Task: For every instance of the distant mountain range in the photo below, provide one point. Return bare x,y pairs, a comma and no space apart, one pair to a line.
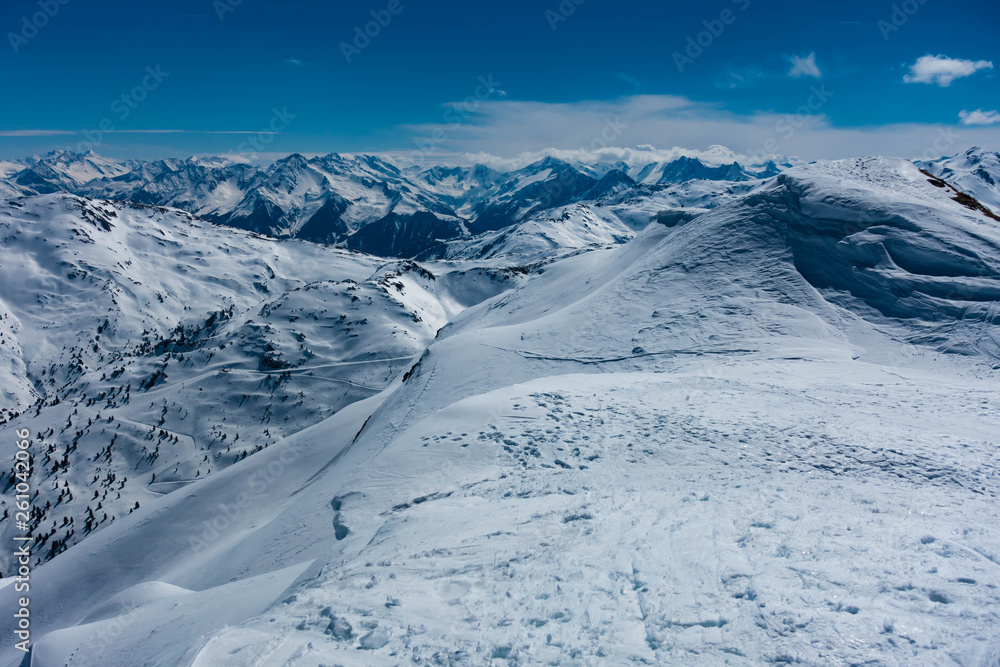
361,202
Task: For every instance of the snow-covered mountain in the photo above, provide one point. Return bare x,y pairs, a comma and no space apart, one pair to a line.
761,431
543,237
64,171
686,169
975,172
361,202
149,349
540,186
325,200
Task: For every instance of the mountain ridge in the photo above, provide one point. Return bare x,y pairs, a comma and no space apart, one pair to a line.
332,199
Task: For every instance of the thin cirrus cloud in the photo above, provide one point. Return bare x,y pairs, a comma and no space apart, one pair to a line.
744,76
804,66
979,117
35,133
942,70
55,133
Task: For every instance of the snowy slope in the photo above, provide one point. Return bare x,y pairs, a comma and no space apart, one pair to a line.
147,349
543,237
975,172
745,439
899,248
638,206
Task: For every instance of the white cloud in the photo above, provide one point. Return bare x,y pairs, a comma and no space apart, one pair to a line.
637,156
979,117
294,62
630,80
513,132
805,66
942,70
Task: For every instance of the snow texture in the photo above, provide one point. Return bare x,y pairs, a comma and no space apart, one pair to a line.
760,432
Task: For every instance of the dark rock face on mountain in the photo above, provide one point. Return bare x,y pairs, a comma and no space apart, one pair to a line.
327,224
398,235
542,185
975,172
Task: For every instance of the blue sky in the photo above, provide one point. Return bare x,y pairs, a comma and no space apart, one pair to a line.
443,79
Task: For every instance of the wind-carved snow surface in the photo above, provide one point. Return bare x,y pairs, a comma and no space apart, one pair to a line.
765,433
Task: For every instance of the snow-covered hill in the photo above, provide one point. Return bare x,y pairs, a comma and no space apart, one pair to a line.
543,237
975,172
759,433
147,349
